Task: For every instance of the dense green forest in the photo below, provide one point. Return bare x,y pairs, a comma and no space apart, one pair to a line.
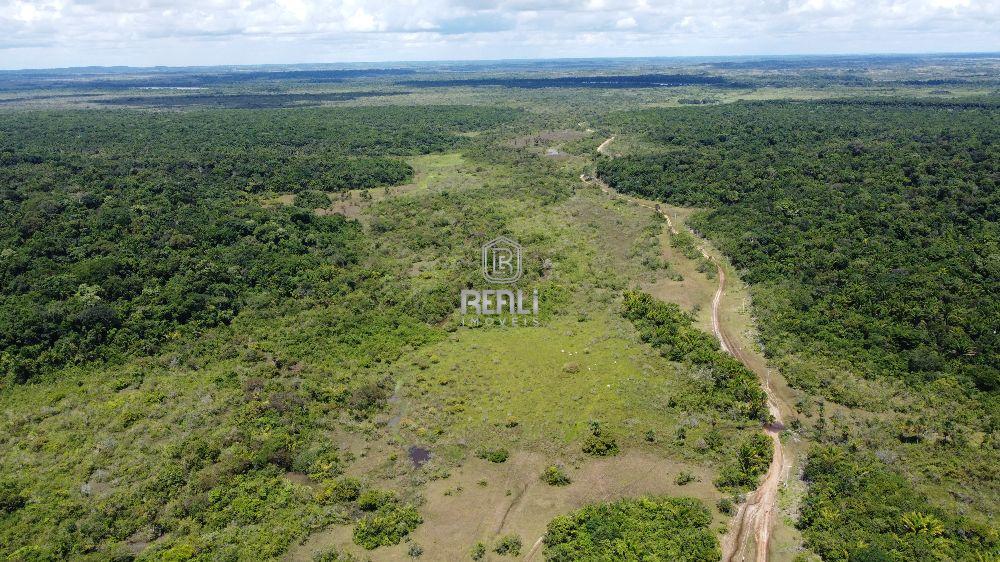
119,228
870,232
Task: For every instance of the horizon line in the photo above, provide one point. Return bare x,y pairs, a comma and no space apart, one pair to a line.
868,54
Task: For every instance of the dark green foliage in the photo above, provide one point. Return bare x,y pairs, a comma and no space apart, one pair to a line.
342,490
122,230
725,505
235,101
478,551
612,82
664,326
337,173
11,498
857,509
494,455
753,457
554,475
600,446
634,529
372,499
311,199
509,545
387,525
869,230
600,443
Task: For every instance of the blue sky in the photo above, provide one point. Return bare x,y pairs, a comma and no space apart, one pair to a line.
52,33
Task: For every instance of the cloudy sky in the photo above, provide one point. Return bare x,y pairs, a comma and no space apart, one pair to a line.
51,33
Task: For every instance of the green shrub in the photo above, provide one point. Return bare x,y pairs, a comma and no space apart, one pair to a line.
333,555
372,499
634,529
555,476
599,443
368,398
11,498
386,526
509,545
684,478
321,462
494,455
342,490
725,505
311,199
752,460
178,553
478,551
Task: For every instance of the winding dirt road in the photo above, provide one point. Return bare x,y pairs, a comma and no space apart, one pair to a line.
604,145
754,517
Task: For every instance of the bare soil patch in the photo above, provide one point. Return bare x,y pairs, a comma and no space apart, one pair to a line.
461,510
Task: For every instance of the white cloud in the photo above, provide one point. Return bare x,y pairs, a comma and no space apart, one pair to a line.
37,33
625,23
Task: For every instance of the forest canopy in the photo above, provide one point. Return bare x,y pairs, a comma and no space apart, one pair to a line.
119,227
870,231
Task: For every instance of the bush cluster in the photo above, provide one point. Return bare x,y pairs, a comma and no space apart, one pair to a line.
634,529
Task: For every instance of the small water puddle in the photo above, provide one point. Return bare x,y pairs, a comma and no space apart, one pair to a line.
418,455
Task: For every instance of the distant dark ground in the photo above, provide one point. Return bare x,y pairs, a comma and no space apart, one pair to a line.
610,82
238,101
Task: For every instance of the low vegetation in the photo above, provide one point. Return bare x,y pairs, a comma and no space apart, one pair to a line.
494,455
858,510
555,475
634,529
386,525
508,545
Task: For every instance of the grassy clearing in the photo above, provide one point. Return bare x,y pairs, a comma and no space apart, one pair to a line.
535,391
485,380
432,172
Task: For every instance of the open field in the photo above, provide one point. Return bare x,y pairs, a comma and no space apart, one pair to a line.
490,388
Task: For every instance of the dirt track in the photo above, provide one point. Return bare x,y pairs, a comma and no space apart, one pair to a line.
755,517
604,145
